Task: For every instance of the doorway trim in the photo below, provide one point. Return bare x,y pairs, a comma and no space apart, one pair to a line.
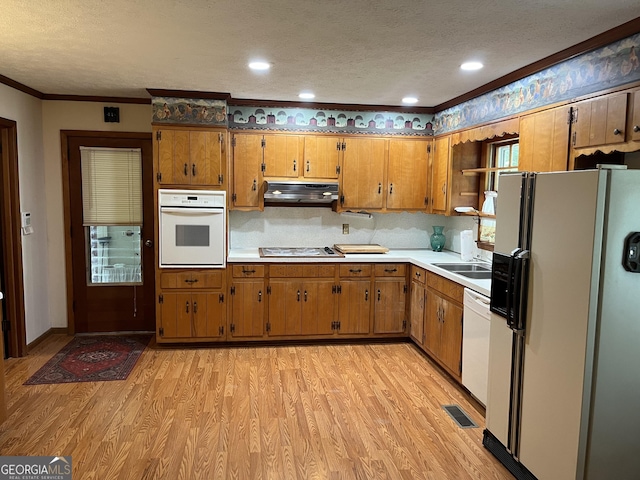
12,238
65,135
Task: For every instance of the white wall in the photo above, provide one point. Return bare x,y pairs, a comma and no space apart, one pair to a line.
60,115
315,227
26,111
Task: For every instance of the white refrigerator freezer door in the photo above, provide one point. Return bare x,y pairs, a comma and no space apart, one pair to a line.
559,296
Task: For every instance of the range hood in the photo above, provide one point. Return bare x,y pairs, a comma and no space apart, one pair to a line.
300,192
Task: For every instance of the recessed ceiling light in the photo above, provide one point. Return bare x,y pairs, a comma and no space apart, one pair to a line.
259,65
471,66
307,96
410,100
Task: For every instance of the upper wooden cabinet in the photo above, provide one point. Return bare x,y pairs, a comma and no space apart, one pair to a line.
190,156
600,121
282,155
634,125
440,174
363,173
247,167
322,156
544,140
407,174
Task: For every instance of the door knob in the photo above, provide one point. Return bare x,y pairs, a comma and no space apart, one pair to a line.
148,243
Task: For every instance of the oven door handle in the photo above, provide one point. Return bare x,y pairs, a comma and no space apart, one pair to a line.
191,210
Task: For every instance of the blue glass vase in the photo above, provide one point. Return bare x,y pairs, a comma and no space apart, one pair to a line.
437,239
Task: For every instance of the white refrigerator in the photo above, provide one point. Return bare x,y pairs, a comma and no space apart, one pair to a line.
564,359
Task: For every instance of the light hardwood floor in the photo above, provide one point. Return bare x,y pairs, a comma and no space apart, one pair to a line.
307,412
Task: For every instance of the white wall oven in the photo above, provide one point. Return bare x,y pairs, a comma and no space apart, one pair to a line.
192,227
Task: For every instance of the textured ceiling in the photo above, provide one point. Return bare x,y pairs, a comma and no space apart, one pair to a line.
346,51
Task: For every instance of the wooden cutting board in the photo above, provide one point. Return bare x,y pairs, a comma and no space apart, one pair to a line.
360,248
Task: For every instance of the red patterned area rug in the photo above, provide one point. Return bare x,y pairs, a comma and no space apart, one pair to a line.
92,359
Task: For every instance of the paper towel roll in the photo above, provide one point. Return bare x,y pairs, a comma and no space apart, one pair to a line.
466,245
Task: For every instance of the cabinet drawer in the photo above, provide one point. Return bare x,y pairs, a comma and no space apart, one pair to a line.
355,270
248,271
451,289
319,271
390,269
284,271
187,279
418,274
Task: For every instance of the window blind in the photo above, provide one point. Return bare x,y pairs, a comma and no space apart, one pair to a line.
111,186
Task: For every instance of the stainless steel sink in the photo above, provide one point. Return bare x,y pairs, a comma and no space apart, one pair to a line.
478,275
464,267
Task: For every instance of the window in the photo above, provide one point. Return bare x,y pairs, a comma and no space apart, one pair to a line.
112,214
500,157
503,157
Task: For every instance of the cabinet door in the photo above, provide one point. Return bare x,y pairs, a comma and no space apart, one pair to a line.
181,157
354,307
322,157
173,156
363,174
318,307
207,157
432,323
285,307
389,314
600,121
282,155
407,171
175,315
635,120
544,141
440,175
247,160
209,315
450,353
247,309
418,297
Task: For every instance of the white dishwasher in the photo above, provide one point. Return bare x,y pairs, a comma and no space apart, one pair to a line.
475,344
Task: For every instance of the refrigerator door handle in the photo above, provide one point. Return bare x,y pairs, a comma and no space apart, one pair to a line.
511,288
519,290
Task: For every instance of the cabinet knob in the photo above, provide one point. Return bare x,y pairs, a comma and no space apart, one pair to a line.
294,164
305,295
308,165
255,186
148,243
298,295
193,169
636,128
187,305
390,189
366,295
379,188
617,131
186,172
378,294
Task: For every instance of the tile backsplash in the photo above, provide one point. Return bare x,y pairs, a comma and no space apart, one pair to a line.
315,227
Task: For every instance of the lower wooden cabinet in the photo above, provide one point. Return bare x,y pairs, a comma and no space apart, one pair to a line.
443,323
247,305
354,307
417,309
301,306
191,306
390,293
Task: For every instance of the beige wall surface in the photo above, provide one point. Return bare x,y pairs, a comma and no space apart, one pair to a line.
26,111
64,115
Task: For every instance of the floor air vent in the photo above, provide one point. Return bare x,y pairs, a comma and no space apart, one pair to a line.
459,416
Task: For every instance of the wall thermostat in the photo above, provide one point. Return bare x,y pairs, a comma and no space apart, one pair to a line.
27,229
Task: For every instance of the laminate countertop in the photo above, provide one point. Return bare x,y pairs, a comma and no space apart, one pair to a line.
423,258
